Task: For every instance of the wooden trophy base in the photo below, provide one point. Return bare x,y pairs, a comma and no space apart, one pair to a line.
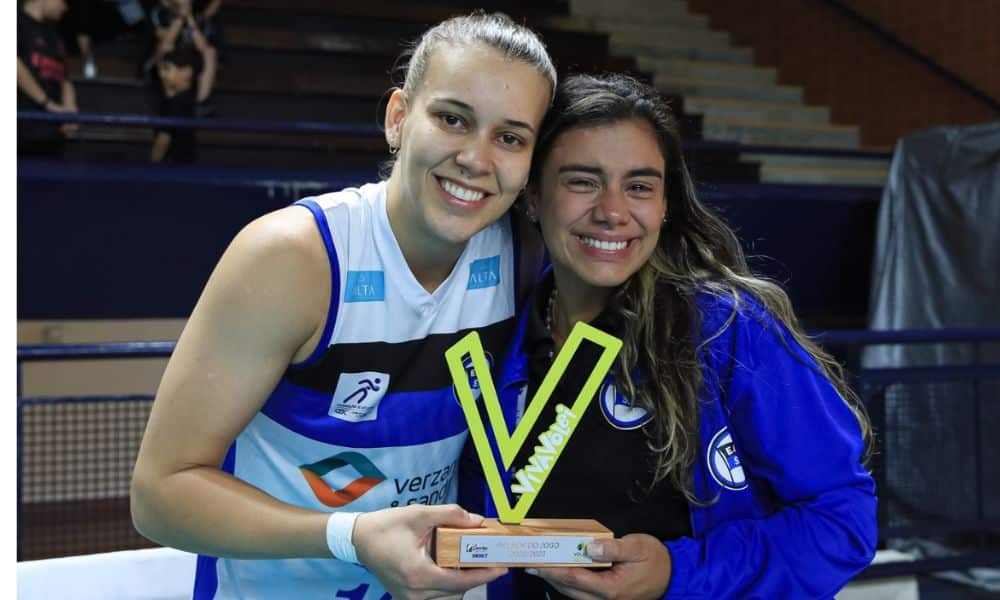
531,543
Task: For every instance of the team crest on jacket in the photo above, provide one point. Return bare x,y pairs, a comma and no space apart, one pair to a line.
471,374
619,411
724,464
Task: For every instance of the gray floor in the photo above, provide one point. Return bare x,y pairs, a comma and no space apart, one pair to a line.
932,588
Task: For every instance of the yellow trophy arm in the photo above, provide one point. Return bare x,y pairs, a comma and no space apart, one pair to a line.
551,442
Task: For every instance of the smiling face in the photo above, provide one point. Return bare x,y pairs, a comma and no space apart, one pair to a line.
465,139
175,78
53,10
600,202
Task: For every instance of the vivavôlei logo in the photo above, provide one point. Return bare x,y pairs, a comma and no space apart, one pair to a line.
370,476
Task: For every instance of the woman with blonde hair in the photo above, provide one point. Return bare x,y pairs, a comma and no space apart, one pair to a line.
306,427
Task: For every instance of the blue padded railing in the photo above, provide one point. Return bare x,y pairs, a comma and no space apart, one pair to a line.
870,337
302,128
245,125
29,353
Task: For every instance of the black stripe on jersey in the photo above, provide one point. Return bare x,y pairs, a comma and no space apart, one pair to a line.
414,366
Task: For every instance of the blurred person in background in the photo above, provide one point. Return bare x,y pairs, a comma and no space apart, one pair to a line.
42,84
206,14
176,25
88,20
185,79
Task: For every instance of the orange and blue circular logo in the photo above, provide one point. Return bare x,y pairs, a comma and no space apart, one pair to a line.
368,476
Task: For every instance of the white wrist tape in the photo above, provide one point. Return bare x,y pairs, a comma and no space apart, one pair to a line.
339,531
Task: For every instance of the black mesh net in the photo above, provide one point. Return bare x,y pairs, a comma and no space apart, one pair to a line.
76,459
940,455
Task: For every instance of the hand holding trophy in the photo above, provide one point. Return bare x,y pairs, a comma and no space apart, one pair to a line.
513,540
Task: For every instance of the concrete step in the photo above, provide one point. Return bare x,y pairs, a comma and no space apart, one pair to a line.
821,175
667,35
105,95
655,50
673,18
721,165
650,10
746,110
709,71
567,23
768,133
835,162
725,90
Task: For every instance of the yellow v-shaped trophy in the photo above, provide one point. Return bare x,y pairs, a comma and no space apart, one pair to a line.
513,540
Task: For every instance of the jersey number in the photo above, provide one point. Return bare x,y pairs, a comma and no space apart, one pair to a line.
359,592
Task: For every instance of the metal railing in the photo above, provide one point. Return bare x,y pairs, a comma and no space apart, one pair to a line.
70,512
874,386
243,125
871,385
325,128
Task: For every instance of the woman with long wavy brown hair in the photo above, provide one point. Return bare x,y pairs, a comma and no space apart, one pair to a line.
725,449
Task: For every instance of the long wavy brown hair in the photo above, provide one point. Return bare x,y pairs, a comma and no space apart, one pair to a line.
656,307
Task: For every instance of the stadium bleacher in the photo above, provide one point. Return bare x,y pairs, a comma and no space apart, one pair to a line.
329,63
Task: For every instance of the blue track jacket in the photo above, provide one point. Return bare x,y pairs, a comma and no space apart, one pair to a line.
794,514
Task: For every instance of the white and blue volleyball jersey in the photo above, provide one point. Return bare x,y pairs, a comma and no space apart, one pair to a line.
370,420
